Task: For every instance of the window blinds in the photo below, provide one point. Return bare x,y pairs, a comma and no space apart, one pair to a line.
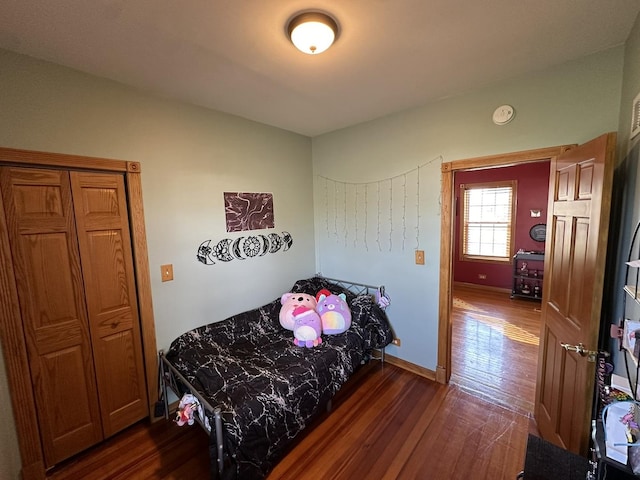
487,220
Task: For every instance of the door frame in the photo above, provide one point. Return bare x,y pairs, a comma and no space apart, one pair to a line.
12,332
447,232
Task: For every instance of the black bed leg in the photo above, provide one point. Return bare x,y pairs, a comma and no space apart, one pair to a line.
163,384
217,418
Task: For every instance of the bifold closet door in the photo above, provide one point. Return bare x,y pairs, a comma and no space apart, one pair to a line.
42,232
107,264
73,264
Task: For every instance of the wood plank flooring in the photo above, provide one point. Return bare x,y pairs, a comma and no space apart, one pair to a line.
386,423
495,346
397,425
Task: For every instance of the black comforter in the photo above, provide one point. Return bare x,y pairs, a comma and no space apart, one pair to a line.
268,388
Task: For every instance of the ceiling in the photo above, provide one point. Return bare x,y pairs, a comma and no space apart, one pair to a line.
233,55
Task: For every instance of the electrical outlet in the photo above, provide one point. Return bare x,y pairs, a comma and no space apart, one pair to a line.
482,276
419,257
396,342
167,272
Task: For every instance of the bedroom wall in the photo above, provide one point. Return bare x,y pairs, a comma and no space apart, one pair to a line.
191,155
188,156
570,103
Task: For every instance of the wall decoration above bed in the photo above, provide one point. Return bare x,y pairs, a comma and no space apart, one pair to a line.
248,211
242,248
385,211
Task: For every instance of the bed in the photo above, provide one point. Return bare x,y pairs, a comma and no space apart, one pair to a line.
254,390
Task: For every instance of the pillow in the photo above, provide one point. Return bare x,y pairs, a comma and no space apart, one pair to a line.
313,285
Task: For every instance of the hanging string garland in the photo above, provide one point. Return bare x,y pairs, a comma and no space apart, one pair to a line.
390,213
355,238
326,204
345,192
335,210
404,210
366,215
345,214
378,218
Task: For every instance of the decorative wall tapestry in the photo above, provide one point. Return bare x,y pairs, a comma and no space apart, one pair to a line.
242,248
248,211
386,210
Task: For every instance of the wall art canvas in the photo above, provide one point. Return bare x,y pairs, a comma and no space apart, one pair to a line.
248,211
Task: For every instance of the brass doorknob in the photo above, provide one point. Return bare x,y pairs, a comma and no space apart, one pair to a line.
582,351
579,349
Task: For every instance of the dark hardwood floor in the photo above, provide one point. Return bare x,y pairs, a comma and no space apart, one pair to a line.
387,423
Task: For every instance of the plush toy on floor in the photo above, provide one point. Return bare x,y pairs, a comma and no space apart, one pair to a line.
307,327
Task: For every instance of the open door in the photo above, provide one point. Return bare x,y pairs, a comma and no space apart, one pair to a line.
577,227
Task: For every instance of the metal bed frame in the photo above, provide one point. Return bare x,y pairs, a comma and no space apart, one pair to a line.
172,380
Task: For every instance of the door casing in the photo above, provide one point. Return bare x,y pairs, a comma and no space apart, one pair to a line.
448,169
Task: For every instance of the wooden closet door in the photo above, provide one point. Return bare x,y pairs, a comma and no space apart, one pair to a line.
49,282
107,264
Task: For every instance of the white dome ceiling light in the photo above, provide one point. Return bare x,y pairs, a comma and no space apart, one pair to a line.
312,32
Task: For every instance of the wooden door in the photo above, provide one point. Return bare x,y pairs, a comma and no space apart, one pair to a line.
577,227
42,233
107,264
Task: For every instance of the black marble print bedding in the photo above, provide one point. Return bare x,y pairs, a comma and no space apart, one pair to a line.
268,388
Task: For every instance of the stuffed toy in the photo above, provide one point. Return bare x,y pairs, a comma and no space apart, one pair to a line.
291,301
186,408
334,313
307,327
382,299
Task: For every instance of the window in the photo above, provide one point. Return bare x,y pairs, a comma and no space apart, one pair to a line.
487,220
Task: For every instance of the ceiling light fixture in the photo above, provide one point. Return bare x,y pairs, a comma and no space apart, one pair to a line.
312,32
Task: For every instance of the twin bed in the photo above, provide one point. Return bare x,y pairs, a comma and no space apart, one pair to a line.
254,391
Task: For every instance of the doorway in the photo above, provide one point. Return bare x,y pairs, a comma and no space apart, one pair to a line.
496,308
447,294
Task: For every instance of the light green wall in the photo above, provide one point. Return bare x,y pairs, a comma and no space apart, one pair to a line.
570,103
630,87
189,157
626,210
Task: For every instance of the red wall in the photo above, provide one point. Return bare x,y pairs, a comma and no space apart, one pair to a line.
533,187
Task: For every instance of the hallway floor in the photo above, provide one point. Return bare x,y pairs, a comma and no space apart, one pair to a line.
495,346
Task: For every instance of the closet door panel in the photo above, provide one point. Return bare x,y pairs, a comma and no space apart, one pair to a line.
41,231
67,392
107,264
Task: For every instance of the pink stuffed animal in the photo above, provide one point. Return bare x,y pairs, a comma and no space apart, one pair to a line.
291,301
186,408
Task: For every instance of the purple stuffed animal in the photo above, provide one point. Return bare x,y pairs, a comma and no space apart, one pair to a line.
334,313
307,327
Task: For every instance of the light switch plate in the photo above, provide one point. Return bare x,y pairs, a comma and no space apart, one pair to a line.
419,257
166,272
